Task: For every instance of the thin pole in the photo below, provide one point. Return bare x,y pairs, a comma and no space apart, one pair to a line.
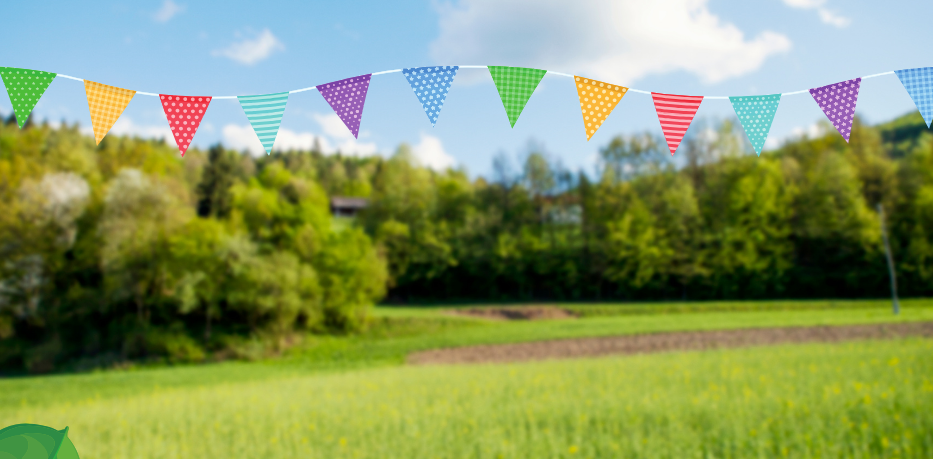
887,253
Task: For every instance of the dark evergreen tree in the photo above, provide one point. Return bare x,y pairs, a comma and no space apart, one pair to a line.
214,198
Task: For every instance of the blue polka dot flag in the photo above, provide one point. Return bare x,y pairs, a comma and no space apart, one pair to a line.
431,85
919,84
756,114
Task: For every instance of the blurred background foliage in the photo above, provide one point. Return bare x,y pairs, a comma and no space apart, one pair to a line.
124,251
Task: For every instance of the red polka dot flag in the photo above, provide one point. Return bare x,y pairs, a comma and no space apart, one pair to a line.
675,114
184,114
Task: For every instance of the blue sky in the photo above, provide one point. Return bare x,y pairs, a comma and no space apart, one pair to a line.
695,47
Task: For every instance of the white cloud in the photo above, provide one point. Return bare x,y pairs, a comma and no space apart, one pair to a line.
616,40
813,131
333,126
288,139
430,152
336,138
338,134
352,147
250,51
126,126
242,138
168,11
826,15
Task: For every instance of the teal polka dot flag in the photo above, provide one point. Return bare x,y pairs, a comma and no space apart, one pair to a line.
25,87
756,114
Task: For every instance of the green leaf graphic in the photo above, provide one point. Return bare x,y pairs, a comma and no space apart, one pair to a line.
31,441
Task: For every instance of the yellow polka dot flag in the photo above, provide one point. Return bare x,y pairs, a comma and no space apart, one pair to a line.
106,104
597,99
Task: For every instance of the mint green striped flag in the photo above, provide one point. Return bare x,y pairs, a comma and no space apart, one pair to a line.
265,115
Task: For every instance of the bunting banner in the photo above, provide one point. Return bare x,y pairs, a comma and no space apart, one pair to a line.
347,98
430,85
919,84
184,114
25,87
756,114
264,113
597,99
838,103
675,114
515,86
106,104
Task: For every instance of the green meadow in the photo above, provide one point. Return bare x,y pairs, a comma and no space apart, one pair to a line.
867,399
333,396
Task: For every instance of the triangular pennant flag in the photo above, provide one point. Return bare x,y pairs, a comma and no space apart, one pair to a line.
264,113
675,114
756,114
597,99
184,115
24,87
106,104
838,103
919,84
347,98
515,85
431,85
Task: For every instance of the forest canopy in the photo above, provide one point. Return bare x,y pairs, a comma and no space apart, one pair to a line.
125,251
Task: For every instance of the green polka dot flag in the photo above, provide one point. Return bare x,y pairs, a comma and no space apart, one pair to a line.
756,114
25,87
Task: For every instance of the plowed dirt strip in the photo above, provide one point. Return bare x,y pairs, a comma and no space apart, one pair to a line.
664,342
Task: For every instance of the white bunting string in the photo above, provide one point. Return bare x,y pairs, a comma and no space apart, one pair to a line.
384,72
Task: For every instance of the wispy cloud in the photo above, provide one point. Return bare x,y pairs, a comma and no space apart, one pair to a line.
338,138
334,137
430,152
168,11
647,37
813,131
826,15
252,50
126,126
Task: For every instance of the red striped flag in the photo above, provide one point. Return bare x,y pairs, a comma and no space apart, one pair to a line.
675,113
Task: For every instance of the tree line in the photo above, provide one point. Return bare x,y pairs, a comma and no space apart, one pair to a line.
124,251
797,222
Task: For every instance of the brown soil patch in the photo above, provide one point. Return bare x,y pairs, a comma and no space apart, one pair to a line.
663,342
516,313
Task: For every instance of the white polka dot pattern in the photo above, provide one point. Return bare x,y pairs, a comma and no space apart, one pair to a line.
597,99
184,115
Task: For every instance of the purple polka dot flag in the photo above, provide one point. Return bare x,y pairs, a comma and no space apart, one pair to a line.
919,84
347,97
838,103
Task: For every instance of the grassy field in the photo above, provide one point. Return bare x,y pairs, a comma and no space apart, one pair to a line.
347,396
869,399
397,332
618,309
